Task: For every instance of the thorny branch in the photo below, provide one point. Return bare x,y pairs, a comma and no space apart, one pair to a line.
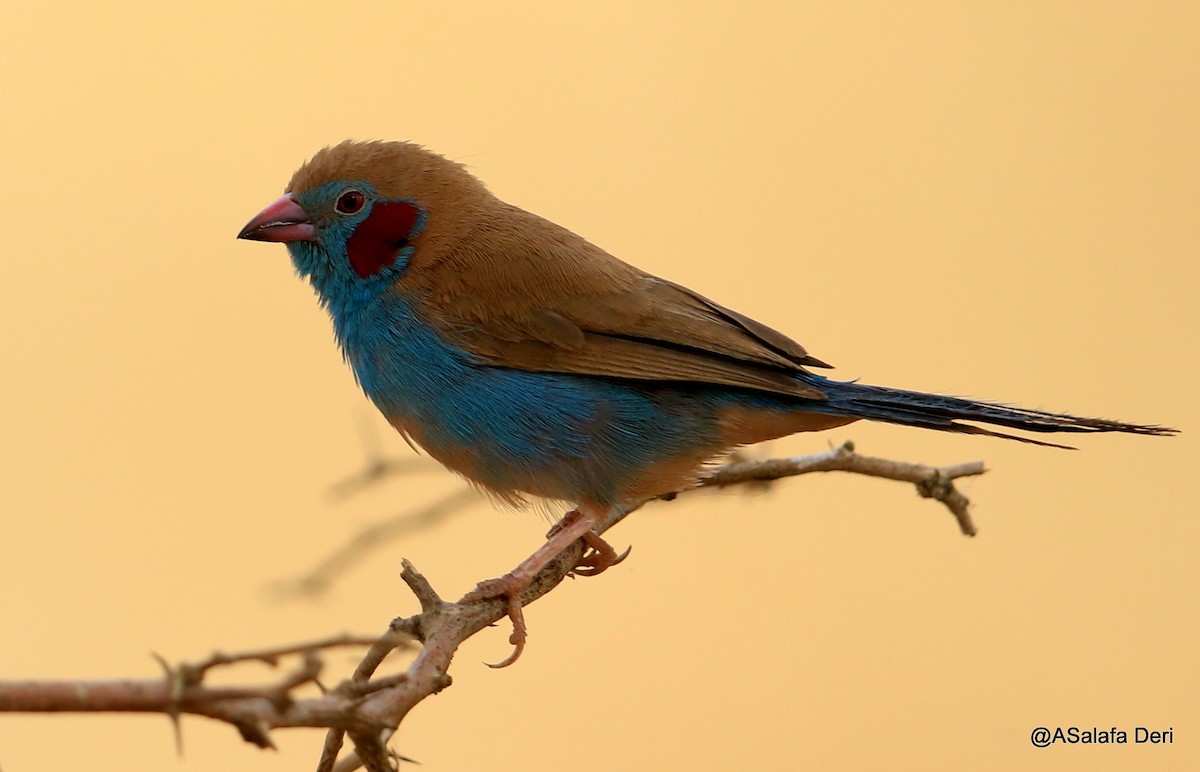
254,710
368,709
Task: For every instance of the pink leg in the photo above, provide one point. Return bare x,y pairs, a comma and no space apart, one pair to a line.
575,524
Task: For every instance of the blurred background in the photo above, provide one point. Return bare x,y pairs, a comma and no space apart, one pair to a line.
998,202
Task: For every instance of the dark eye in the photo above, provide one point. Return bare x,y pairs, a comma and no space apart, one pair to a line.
350,202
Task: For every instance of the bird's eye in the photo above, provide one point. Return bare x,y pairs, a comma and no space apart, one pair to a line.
350,202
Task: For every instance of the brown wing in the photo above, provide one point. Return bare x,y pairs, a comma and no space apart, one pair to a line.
521,292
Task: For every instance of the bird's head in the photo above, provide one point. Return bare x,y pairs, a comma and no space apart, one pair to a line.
358,215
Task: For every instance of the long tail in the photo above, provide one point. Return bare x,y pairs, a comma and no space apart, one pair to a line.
934,411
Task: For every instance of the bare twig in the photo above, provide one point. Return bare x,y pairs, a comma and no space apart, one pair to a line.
271,655
932,482
320,578
378,466
377,470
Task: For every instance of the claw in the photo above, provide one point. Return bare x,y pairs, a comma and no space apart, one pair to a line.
518,637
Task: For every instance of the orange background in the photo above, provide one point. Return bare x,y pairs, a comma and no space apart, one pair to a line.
997,202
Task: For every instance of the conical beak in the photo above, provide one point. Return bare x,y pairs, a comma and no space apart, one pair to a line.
284,220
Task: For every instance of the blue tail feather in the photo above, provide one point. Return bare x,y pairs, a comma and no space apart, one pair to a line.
943,413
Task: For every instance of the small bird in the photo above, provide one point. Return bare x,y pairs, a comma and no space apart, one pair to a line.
533,363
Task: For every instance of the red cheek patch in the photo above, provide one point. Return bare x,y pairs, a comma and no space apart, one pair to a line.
378,239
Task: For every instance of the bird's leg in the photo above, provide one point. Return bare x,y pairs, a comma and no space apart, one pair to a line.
575,524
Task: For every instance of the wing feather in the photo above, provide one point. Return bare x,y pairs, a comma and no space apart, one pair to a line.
521,292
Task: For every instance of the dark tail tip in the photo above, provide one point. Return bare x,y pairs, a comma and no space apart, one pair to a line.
935,411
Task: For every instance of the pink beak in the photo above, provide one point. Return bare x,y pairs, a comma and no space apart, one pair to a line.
284,220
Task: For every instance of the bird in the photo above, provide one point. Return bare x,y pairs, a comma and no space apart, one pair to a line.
535,364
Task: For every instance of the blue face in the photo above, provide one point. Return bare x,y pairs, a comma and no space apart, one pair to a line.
364,242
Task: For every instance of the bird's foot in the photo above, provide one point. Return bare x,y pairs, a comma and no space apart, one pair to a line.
510,586
600,555
577,524
599,558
